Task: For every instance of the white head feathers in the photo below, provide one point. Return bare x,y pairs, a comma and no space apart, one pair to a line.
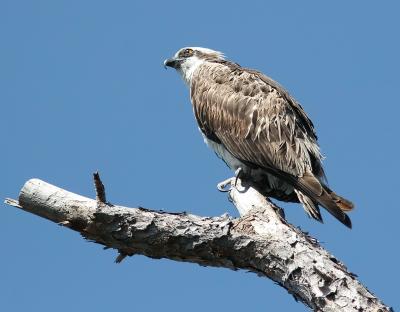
188,59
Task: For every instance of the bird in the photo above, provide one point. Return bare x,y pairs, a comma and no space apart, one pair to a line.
259,130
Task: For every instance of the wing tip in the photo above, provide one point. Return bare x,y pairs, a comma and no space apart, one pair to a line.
347,221
339,215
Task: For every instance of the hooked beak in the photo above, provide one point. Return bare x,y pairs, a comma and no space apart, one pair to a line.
172,62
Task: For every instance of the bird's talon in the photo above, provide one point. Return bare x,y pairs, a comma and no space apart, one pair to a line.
221,186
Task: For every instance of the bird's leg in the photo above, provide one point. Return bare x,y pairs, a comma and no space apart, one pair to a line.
221,186
238,174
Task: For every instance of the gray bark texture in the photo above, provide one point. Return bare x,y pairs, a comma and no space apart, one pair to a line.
260,241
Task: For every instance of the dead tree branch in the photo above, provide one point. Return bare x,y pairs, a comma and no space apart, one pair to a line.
261,241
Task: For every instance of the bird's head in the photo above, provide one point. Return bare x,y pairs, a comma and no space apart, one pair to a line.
188,59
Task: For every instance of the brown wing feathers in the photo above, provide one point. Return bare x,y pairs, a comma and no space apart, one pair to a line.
260,124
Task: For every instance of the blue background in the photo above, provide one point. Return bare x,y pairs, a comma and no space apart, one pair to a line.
82,88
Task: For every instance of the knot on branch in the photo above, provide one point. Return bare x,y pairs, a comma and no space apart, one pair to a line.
100,190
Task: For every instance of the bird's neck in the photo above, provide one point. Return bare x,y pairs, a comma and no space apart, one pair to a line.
188,68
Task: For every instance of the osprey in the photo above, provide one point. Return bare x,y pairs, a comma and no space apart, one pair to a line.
258,129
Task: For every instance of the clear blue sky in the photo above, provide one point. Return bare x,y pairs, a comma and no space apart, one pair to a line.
82,88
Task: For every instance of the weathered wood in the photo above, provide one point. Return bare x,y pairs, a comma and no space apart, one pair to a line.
260,241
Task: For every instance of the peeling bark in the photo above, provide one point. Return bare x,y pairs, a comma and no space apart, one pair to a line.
260,241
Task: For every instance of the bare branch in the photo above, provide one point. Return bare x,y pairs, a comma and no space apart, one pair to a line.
12,202
261,241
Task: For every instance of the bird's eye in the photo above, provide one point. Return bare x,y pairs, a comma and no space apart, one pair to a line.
188,52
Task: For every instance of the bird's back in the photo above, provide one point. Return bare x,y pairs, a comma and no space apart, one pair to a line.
254,118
